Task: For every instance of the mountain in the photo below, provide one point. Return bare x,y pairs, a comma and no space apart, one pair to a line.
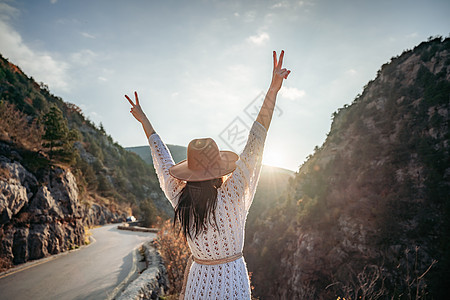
271,185
60,173
367,216
178,153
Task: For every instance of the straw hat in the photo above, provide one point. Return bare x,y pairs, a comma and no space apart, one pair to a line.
204,162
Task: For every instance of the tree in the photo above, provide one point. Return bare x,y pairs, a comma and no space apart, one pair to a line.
58,136
148,212
102,129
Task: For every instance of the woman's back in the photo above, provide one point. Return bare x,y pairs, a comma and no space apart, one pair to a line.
233,201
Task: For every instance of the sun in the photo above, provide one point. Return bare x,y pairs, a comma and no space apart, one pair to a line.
273,157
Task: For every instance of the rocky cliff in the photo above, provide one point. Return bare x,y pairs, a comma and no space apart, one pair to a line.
42,214
59,172
367,215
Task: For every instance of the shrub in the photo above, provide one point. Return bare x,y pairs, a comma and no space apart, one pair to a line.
175,252
5,264
148,213
17,127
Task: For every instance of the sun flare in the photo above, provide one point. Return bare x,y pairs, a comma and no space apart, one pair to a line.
274,157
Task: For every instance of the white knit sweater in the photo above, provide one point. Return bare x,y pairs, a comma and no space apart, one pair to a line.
230,280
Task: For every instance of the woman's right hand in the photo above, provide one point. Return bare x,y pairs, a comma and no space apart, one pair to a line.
136,109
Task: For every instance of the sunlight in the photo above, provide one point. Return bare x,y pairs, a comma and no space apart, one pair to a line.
274,157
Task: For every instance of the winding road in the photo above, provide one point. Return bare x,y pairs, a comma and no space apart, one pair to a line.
93,272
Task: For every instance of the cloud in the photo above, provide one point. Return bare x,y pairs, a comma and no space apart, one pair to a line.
287,4
42,66
305,3
239,72
53,1
259,39
7,12
94,115
292,93
87,35
281,4
250,16
351,72
84,57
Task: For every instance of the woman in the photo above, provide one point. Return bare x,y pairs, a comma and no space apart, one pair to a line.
211,193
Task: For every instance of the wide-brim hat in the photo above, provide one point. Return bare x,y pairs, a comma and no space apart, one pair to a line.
204,162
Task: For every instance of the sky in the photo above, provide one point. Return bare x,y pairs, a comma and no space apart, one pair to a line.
202,67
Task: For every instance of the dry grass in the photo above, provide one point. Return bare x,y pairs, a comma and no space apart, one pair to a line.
16,127
5,264
4,174
175,252
87,235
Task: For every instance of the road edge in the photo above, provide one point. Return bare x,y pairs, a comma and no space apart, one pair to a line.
127,279
40,261
152,282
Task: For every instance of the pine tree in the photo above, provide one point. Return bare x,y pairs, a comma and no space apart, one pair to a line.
58,136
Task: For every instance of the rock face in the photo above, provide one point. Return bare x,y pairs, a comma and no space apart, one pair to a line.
41,218
369,212
16,192
152,282
100,215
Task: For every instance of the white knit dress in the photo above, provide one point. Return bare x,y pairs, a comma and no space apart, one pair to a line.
229,280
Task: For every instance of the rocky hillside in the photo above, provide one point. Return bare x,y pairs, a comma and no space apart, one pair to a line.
368,214
60,173
39,220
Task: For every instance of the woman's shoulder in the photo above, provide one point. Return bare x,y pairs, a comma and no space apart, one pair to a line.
233,184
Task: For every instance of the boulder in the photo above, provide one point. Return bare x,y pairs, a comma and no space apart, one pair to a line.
45,204
20,248
15,191
57,242
38,241
6,244
64,189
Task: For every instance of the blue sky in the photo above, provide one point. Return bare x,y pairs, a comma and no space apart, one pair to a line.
200,66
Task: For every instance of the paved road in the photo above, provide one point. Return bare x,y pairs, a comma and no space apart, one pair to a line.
89,273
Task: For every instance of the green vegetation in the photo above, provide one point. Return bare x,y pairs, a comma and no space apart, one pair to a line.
149,213
377,188
57,136
47,131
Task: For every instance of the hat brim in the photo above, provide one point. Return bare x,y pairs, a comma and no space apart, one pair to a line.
225,165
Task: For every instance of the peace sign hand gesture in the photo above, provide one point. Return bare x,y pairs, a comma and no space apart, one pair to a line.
278,73
139,114
136,109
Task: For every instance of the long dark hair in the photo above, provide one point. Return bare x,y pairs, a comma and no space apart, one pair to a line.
196,206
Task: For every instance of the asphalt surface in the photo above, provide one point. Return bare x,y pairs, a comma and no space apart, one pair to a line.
92,272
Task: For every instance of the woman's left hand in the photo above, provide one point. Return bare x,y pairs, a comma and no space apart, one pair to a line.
136,109
279,73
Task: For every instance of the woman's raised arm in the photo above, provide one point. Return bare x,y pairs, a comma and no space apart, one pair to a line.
278,75
162,159
139,114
